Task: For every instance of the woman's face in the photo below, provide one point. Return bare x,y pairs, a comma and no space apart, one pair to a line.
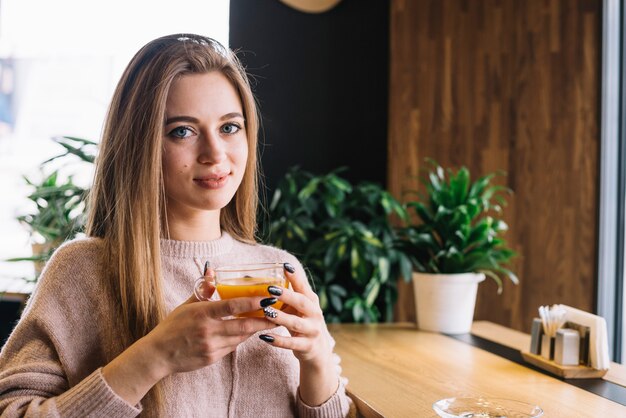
205,144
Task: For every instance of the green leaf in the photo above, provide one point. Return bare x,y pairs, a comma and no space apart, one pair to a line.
298,231
331,208
338,290
500,226
372,240
490,192
422,212
309,189
357,311
341,250
330,258
41,257
371,292
384,268
495,277
406,267
355,260
332,235
435,181
459,185
85,150
275,199
386,204
341,184
509,274
324,300
82,141
401,212
477,189
336,302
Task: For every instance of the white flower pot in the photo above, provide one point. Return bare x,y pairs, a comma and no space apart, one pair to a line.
445,302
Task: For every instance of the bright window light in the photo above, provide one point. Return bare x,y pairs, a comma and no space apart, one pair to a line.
59,63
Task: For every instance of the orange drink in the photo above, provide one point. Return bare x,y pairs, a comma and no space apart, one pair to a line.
247,280
249,286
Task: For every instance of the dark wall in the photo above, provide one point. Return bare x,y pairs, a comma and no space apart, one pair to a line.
322,84
10,310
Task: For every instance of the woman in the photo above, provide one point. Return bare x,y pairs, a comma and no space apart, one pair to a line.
112,329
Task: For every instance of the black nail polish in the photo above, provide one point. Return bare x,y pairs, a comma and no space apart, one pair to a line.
270,312
275,290
268,301
266,338
207,265
289,268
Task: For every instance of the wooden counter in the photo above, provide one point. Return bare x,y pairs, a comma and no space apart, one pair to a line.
398,371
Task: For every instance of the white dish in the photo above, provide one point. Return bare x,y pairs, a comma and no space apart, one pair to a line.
485,408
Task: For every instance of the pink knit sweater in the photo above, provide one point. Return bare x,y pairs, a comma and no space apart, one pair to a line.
52,363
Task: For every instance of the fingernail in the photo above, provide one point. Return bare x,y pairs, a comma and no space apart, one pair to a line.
270,312
207,265
268,301
289,268
275,290
266,338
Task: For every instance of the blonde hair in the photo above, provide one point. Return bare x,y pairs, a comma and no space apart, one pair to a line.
127,203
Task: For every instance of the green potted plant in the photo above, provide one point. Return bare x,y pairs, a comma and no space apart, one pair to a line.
456,242
58,204
58,215
343,235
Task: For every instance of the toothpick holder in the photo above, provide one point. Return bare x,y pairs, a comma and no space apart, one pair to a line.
555,355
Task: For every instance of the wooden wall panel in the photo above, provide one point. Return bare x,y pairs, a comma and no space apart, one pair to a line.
508,85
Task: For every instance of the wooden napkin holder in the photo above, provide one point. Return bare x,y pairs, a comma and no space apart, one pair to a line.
566,372
580,371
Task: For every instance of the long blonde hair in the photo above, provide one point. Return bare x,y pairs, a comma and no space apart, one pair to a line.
127,203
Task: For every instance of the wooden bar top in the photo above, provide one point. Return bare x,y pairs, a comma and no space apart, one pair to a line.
394,370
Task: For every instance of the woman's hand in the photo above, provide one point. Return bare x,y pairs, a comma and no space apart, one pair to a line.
192,336
309,340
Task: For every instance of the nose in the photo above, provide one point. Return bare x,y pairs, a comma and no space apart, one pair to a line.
212,149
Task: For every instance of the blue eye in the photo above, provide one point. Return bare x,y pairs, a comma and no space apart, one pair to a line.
230,128
181,132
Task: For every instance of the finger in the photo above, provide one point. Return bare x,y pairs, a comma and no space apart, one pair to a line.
246,326
288,309
294,323
208,271
227,346
192,299
206,289
301,344
306,305
230,307
209,278
298,279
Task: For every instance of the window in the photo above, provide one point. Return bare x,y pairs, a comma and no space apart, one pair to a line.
59,63
612,229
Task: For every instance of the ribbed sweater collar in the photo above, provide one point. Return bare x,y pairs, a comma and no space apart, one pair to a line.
185,249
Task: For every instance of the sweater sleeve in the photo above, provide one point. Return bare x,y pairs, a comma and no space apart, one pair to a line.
33,384
339,405
34,378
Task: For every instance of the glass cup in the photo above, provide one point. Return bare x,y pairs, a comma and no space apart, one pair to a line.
245,280
485,408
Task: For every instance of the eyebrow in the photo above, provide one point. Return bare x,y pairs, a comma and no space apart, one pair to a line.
195,120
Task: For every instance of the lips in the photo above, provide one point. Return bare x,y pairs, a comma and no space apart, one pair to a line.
212,181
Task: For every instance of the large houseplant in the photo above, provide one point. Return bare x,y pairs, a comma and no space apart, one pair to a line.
343,235
456,242
58,203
